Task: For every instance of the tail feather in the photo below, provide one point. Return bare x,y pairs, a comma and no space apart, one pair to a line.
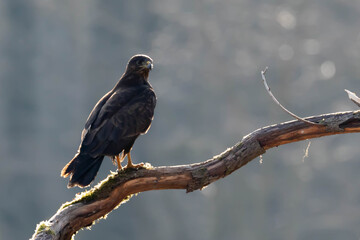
82,170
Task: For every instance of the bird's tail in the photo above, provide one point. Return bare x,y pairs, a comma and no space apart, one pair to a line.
82,170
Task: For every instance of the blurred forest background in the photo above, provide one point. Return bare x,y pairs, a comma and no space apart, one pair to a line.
57,58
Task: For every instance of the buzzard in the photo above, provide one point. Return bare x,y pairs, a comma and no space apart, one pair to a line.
119,117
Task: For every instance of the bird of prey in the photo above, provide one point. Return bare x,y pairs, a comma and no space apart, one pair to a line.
119,117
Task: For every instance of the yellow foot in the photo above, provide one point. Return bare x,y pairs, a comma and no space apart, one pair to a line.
131,165
118,160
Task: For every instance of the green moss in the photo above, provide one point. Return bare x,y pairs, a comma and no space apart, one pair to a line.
44,227
105,187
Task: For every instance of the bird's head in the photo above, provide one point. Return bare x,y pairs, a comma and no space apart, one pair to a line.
140,64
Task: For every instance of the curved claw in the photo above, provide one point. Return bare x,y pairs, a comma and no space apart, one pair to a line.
131,165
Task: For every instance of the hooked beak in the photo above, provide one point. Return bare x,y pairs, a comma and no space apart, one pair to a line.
149,65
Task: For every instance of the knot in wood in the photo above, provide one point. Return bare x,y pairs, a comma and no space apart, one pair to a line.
200,178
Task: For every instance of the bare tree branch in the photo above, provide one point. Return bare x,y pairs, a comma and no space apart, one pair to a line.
278,103
353,97
118,188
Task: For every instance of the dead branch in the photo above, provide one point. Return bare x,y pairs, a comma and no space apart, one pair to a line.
353,97
278,103
117,188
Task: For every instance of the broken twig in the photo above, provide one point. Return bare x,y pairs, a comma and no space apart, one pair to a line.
353,97
278,103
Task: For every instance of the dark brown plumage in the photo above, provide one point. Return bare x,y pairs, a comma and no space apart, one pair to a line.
113,125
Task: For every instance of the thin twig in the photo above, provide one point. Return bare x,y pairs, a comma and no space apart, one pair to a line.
278,103
353,97
306,152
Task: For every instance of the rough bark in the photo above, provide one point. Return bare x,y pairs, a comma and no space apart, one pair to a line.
118,188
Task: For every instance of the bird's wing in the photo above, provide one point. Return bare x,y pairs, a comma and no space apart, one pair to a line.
94,113
102,110
127,112
135,117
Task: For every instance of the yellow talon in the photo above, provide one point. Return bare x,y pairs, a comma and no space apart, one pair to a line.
119,160
131,165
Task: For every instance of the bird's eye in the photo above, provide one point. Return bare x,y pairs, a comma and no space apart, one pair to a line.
138,62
